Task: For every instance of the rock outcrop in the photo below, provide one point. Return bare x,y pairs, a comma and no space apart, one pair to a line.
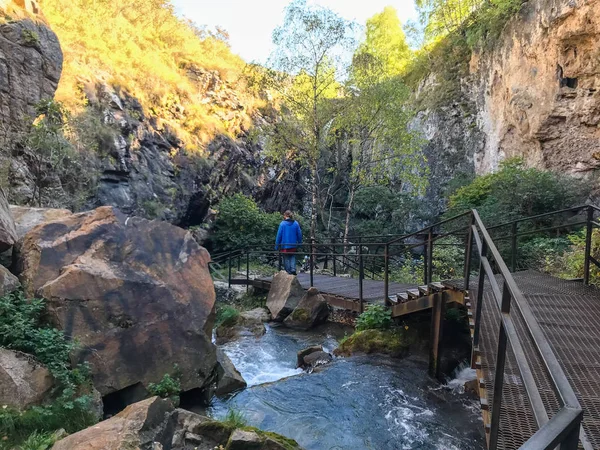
284,295
136,294
312,310
153,424
30,64
24,381
8,231
26,218
534,93
312,357
8,282
229,378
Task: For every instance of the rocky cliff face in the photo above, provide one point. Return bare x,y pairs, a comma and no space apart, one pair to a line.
535,94
30,64
134,158
538,93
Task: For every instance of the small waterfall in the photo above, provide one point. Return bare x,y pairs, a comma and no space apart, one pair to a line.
462,374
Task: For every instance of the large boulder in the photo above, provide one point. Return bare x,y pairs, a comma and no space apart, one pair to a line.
284,295
8,282
8,231
312,310
24,381
229,378
136,294
153,424
139,426
26,218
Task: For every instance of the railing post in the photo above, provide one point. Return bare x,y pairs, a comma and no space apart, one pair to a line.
513,247
360,274
435,341
478,307
239,261
468,251
247,269
499,370
429,269
333,252
386,273
312,262
588,245
230,261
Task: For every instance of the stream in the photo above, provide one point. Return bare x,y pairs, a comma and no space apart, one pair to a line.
362,402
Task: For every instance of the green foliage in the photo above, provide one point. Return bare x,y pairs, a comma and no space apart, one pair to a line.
564,258
448,259
380,210
22,329
227,316
376,317
169,386
390,342
409,271
38,441
53,156
240,223
516,191
235,418
385,43
31,38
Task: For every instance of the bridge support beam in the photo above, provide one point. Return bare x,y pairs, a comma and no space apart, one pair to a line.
435,341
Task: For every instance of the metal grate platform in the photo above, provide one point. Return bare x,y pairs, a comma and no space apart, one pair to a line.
569,314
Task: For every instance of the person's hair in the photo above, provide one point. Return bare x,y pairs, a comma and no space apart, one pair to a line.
288,213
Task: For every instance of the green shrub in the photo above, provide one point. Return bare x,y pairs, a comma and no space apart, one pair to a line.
169,386
516,191
227,316
410,271
240,223
376,317
38,441
22,329
235,418
31,38
390,342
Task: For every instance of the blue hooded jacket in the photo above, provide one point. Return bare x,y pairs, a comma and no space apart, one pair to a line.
289,235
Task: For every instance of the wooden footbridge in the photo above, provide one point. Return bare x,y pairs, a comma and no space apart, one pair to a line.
536,338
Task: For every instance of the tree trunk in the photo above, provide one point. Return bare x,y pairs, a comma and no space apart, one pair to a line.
348,214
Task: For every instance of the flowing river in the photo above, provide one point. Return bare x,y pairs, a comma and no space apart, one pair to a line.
364,402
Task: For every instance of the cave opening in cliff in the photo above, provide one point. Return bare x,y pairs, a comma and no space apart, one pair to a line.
569,82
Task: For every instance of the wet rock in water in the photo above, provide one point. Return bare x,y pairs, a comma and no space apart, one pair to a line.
312,357
24,381
307,351
471,388
8,282
311,311
136,294
27,218
389,342
284,295
244,440
229,378
316,359
8,231
256,315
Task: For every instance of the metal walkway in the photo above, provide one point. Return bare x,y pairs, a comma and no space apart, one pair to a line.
569,314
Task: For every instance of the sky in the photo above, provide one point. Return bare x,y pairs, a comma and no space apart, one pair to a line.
251,22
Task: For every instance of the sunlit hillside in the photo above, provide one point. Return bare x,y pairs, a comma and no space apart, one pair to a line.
142,47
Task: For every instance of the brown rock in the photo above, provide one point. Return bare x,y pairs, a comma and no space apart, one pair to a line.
137,426
8,232
312,310
244,440
307,351
136,294
8,282
230,380
24,381
284,295
27,218
316,359
256,315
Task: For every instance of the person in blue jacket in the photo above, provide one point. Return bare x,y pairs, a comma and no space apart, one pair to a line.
289,238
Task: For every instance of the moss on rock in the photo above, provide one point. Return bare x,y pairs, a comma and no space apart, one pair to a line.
390,342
